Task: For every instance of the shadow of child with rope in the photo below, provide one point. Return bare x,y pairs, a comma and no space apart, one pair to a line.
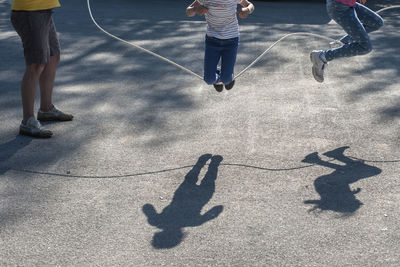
334,188
187,203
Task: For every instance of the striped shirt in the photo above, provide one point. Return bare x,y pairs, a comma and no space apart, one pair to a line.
347,2
222,22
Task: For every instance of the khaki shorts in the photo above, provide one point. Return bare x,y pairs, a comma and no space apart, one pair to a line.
38,35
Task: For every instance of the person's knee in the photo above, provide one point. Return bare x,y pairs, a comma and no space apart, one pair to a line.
366,48
379,23
35,69
56,58
369,48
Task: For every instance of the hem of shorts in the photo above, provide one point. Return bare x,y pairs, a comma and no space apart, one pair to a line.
39,61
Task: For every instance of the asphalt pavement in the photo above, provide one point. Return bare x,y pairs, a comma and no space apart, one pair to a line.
159,169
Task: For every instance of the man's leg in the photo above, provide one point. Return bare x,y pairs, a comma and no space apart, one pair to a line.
46,82
29,86
47,111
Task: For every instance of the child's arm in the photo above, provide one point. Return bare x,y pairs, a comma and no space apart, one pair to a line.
246,10
196,8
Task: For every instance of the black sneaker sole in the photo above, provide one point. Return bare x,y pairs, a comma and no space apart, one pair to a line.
230,85
218,87
53,119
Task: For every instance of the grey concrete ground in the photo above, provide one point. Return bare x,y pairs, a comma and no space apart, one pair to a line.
130,181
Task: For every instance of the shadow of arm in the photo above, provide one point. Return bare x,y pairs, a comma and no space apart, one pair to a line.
150,213
211,214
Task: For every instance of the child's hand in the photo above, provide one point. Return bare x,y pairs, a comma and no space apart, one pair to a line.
201,10
246,9
196,8
243,12
363,1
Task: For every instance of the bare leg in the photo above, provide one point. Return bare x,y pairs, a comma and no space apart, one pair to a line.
29,85
47,83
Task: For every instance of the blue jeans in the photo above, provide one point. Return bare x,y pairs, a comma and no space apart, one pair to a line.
357,22
216,50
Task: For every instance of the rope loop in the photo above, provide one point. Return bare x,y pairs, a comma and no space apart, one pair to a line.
197,75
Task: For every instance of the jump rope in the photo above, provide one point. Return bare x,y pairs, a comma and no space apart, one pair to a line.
240,73
68,174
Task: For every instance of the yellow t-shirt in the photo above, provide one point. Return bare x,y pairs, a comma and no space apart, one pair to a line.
32,5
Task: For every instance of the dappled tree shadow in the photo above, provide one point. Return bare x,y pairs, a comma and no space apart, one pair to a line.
10,148
381,68
378,4
334,189
106,82
187,203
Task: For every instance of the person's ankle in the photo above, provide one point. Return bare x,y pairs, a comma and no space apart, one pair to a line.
46,108
25,119
322,57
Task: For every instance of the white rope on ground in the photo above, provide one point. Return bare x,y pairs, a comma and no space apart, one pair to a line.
197,75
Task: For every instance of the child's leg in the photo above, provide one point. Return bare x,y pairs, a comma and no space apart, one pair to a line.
211,59
228,59
370,20
346,17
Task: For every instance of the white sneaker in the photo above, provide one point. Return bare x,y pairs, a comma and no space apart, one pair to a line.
33,128
319,65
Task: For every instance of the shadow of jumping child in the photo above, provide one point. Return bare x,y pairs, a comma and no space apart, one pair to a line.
187,203
334,189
